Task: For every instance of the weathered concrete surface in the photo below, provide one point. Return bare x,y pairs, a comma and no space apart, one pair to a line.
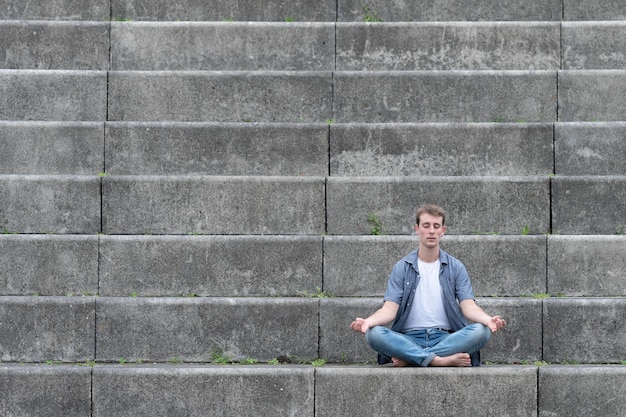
590,148
192,329
511,203
519,341
45,390
592,95
237,266
382,391
448,46
431,149
594,45
223,46
247,96
238,10
36,329
587,265
585,330
444,96
594,10
337,342
498,265
96,10
588,205
580,391
50,204
48,264
212,205
45,148
203,390
450,10
53,95
217,149
45,45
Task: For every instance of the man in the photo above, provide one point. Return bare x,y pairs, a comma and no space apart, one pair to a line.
430,300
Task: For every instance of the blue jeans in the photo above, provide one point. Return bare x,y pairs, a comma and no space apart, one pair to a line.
420,347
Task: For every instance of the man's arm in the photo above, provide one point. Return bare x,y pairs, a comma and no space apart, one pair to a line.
474,313
382,316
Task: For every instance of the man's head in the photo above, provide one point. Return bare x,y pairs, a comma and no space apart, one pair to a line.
430,226
433,210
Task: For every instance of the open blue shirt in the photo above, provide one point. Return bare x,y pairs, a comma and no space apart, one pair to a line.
455,286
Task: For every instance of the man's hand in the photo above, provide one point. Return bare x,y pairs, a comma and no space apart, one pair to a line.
496,323
360,325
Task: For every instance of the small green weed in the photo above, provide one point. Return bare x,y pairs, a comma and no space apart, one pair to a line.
541,295
376,226
540,363
525,230
122,361
318,362
218,357
319,293
619,230
273,362
175,360
370,15
248,361
290,19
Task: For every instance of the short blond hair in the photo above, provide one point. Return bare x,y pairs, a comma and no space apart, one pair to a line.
433,210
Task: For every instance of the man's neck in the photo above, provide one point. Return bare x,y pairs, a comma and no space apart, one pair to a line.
428,255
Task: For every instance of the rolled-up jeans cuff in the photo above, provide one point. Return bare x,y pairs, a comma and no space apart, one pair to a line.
428,360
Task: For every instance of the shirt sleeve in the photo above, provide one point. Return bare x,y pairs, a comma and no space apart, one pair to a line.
395,284
463,286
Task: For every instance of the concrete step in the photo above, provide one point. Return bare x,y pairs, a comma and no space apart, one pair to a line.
73,45
294,96
95,10
213,205
50,204
53,95
51,148
159,148
310,46
234,266
592,95
597,10
500,266
241,10
448,10
356,204
575,198
444,96
195,329
171,390
38,329
283,96
589,148
48,264
448,46
302,149
173,46
594,45
45,390
440,149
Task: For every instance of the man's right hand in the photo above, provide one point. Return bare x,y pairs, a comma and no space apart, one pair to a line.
360,325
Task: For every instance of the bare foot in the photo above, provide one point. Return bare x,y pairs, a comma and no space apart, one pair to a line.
458,359
399,363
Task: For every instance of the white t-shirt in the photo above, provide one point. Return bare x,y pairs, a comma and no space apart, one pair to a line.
427,309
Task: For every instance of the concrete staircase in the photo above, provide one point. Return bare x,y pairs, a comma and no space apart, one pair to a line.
184,184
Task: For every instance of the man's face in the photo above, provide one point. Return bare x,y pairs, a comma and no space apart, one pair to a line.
430,230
